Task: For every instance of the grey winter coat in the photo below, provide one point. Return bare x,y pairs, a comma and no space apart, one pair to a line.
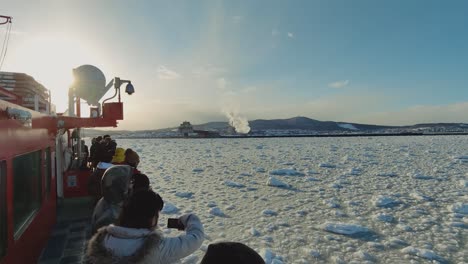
116,244
115,184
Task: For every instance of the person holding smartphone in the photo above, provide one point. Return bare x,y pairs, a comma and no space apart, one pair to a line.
135,239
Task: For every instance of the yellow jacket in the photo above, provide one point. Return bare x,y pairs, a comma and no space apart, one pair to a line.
119,156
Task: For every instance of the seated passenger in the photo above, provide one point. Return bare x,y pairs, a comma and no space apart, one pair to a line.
115,184
231,253
135,238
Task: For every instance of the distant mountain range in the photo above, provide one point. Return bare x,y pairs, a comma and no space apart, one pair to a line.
305,123
299,123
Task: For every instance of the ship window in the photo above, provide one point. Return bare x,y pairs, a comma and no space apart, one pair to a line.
3,218
48,171
27,189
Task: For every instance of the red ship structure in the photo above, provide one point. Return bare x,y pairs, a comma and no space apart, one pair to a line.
42,185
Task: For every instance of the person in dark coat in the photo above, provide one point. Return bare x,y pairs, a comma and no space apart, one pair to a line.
106,150
93,151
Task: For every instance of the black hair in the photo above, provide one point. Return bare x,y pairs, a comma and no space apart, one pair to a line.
231,253
139,210
98,139
140,182
106,136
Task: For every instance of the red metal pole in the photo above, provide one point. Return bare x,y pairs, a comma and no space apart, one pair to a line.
78,107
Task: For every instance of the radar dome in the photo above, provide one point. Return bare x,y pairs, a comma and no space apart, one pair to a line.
89,84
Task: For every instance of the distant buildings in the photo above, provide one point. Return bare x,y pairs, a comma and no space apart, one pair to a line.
185,128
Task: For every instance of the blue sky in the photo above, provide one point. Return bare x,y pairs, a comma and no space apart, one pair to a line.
382,62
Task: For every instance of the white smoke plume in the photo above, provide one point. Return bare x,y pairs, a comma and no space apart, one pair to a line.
240,124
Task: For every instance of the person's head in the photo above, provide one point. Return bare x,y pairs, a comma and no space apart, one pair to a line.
93,140
119,156
132,158
231,253
139,182
115,183
106,136
98,139
141,210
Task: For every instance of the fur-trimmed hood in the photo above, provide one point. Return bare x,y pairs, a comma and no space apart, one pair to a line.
117,245
98,253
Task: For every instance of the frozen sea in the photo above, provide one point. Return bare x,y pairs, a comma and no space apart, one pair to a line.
319,200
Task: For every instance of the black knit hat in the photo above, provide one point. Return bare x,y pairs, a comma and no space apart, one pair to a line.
231,253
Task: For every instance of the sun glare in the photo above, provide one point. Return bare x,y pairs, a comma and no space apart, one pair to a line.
50,60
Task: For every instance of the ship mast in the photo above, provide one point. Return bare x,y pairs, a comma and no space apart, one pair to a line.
7,20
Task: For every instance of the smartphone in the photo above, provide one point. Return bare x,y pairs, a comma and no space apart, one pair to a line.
175,223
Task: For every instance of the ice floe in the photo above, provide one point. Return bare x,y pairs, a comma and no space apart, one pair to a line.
354,171
216,212
423,253
385,218
269,212
286,172
421,197
327,165
169,208
277,183
312,171
387,174
460,208
187,195
463,183
254,232
385,201
352,230
420,176
233,184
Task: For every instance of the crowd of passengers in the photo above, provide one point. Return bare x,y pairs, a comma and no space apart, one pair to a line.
126,215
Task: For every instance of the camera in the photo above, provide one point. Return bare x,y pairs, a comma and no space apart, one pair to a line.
175,223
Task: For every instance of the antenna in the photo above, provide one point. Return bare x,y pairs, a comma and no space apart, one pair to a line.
7,19
6,39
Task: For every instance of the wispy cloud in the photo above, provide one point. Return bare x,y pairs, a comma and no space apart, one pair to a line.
209,71
275,32
222,83
290,34
17,32
338,84
249,89
165,73
237,19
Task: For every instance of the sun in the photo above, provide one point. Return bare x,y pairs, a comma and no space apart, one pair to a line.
50,60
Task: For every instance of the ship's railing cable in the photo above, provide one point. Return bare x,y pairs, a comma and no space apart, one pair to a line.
6,39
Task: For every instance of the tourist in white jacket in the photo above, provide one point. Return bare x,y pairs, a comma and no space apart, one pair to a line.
135,240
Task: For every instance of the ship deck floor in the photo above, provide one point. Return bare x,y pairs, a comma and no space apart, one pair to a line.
71,232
